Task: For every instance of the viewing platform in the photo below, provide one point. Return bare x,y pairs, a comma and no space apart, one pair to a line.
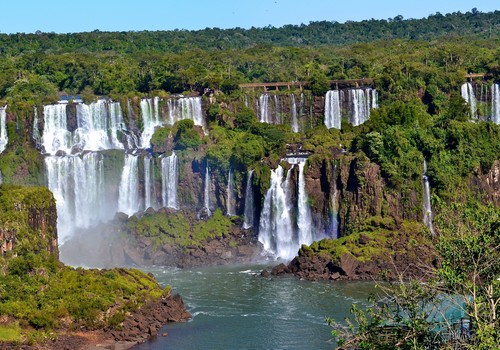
472,76
301,84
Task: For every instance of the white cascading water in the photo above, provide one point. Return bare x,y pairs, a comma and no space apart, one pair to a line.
129,199
230,194
169,180
333,115
334,209
264,108
149,194
92,131
427,200
467,92
97,128
275,227
3,129
495,103
207,192
361,101
304,221
78,187
55,133
249,206
150,119
36,133
185,108
277,111
116,124
293,112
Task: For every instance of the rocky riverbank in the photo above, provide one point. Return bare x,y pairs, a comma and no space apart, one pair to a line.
366,256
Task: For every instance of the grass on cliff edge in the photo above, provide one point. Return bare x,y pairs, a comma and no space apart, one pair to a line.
178,229
10,333
39,295
375,239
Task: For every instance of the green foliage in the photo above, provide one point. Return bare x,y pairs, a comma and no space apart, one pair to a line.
10,333
186,137
319,84
469,242
179,229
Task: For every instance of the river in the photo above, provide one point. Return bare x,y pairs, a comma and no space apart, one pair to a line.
233,307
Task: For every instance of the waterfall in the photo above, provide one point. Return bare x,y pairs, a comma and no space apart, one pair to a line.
275,227
207,192
149,194
3,129
334,215
293,112
304,220
427,200
277,111
361,103
129,200
78,187
169,180
36,133
467,92
97,128
55,133
249,209
495,104
185,108
374,94
230,194
333,115
116,124
92,131
150,120
264,108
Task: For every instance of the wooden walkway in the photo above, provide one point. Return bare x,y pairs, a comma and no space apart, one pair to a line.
302,84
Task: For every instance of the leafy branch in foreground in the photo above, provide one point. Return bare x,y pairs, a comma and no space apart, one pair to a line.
456,310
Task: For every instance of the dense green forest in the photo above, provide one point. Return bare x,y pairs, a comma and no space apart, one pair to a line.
400,54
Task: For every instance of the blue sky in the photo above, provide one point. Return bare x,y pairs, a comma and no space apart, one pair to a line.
123,15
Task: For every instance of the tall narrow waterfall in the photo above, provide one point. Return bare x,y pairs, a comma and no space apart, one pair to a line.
116,124
150,119
467,91
249,206
169,180
333,115
278,118
275,228
264,108
207,192
495,103
36,132
427,200
334,206
304,211
149,193
3,129
129,199
78,187
361,103
293,112
230,194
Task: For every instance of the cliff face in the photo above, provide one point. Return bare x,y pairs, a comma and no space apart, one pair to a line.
28,220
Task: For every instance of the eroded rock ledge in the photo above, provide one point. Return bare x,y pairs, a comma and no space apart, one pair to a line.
385,255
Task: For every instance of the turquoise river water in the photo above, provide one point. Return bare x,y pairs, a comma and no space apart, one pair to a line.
234,308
